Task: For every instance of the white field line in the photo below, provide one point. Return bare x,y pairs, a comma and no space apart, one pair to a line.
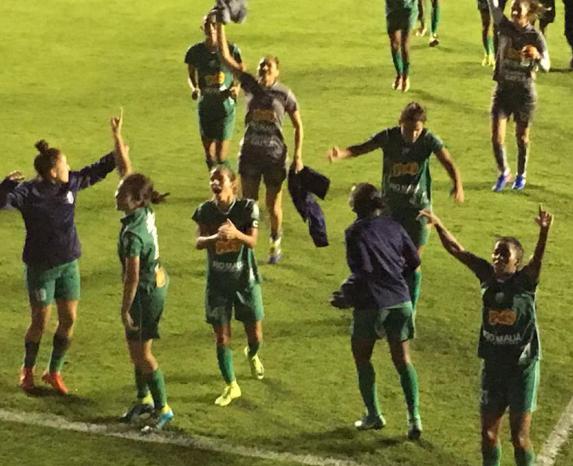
197,442
558,437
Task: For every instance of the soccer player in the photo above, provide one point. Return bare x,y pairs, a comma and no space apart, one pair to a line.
145,285
509,339
211,83
521,51
406,181
227,228
263,152
379,253
489,42
400,20
434,41
51,251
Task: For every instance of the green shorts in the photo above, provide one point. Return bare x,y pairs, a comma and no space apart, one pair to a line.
59,282
394,323
514,387
401,20
248,305
417,228
146,312
217,126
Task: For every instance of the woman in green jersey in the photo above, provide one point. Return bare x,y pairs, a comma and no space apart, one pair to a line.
227,229
145,284
211,83
509,339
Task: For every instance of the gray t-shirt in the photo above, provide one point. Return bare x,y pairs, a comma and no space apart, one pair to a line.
266,108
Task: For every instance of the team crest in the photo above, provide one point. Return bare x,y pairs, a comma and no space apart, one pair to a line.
499,297
70,197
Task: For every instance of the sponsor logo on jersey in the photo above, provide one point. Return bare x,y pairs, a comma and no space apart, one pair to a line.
215,79
227,266
511,339
501,317
260,114
401,169
226,246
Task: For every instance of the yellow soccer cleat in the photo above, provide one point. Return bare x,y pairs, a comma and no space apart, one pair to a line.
231,392
257,368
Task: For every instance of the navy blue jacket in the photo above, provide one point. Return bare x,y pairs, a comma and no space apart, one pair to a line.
48,210
302,186
379,253
232,10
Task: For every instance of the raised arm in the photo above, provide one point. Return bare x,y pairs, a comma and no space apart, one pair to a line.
447,162
337,153
223,46
533,267
495,10
121,152
7,197
298,137
193,81
130,283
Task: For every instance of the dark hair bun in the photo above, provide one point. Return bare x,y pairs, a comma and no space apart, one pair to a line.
42,146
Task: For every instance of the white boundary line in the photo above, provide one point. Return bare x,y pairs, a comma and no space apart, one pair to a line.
558,437
197,442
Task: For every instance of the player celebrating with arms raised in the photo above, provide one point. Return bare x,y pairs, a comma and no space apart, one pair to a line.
406,181
521,51
212,84
228,229
509,339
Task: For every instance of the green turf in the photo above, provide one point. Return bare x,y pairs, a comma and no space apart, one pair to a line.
68,65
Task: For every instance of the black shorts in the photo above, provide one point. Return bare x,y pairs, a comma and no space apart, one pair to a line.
513,99
272,172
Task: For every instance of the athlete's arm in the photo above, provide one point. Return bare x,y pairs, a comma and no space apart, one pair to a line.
192,81
337,153
447,162
226,57
204,239
6,187
495,10
130,282
121,152
298,137
533,268
229,231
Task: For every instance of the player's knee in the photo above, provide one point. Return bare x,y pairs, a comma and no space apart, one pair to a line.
520,440
489,436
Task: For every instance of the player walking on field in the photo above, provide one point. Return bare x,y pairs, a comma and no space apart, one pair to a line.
406,180
212,85
435,13
263,153
521,51
489,41
228,229
379,254
145,285
509,342
51,251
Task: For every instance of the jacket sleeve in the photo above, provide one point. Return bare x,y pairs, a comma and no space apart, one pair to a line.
92,174
12,194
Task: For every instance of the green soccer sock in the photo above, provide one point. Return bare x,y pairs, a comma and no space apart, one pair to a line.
435,18
60,346
414,281
156,384
141,384
398,64
367,385
488,46
254,348
225,360
491,456
524,457
30,353
409,382
406,68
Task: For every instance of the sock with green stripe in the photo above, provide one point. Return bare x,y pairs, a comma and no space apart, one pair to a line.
60,346
435,22
367,385
156,384
398,64
254,348
406,68
225,360
140,384
524,457
491,456
488,46
30,353
409,382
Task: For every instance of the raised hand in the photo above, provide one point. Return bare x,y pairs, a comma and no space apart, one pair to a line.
430,216
117,122
15,176
334,154
544,219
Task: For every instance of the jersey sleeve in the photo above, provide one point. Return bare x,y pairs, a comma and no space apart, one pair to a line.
481,268
236,53
198,216
435,142
253,214
12,194
131,245
380,139
291,104
92,174
250,84
191,56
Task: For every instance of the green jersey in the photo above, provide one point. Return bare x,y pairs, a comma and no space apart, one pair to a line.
138,238
231,265
215,78
396,5
406,181
509,333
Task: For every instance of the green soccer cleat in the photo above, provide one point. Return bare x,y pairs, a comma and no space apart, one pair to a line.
257,368
414,428
231,392
368,423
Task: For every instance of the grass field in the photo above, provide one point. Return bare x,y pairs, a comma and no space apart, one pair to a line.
67,66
